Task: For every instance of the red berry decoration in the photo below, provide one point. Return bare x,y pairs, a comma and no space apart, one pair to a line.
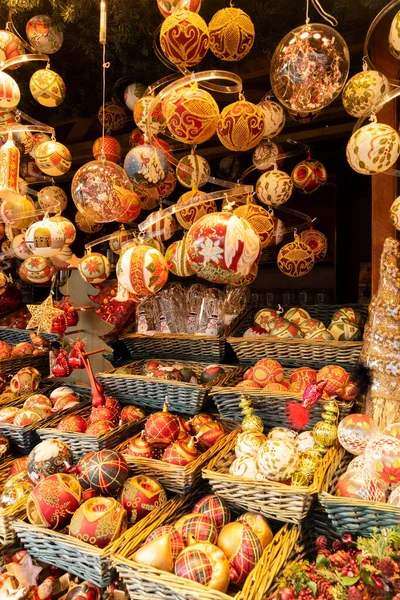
162,428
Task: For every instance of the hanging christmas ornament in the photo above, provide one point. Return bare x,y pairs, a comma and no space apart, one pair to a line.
308,175
395,213
102,191
317,241
107,147
94,268
260,219
364,91
274,188
112,116
373,148
45,238
9,170
43,35
29,171
184,38
86,225
192,170
121,237
141,112
167,7
231,34
241,126
242,548
265,156
177,259
37,139
9,92
133,93
295,259
10,47
19,247
190,215
16,212
23,140
53,158
274,117
163,229
47,88
166,187
142,270
52,199
309,67
136,138
394,36
146,165
192,115
42,315
67,227
37,269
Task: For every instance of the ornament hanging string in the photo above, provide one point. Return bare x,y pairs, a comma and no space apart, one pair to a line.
105,65
320,9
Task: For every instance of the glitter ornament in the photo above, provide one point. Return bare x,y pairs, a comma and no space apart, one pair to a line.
140,447
181,452
43,35
231,34
274,188
317,241
266,371
373,148
141,112
363,91
53,158
133,93
37,269
265,156
111,146
274,116
382,457
94,268
53,501
146,165
277,459
177,260
52,199
112,116
47,88
192,170
184,38
186,217
98,521
10,47
241,126
9,92
215,508
221,246
44,238
142,270
47,458
86,225
355,432
308,175
259,219
102,192
295,259
394,36
67,227
192,115
362,485
309,67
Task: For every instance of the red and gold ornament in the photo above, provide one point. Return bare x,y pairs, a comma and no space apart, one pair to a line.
260,219
214,507
176,544
231,34
199,525
73,424
187,216
107,147
181,452
140,495
105,471
267,371
204,563
98,521
141,271
53,501
242,548
192,115
241,126
184,38
198,421
335,376
162,428
140,447
296,258
177,259
100,428
209,434
130,414
317,241
309,175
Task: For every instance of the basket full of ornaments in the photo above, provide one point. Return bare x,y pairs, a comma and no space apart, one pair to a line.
20,349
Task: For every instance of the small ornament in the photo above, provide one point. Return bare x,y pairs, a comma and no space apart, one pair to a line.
53,158
317,241
177,260
37,139
274,188
52,199
9,92
105,471
296,315
241,126
364,91
146,165
311,325
37,269
73,424
242,548
265,156
283,328
140,447
181,452
162,428
394,36
43,35
305,374
215,508
141,113
163,229
184,38
161,549
308,175
373,148
355,432
274,116
44,238
133,93
109,147
263,316
192,115
140,495
295,259
47,88
248,443
47,458
141,270
19,247
231,34
260,219
201,526
348,314
204,563
98,521
277,459
186,217
193,170
52,502
94,268
10,47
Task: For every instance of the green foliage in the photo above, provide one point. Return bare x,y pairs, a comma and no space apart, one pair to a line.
381,544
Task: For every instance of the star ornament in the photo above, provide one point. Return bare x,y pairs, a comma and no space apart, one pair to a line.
43,315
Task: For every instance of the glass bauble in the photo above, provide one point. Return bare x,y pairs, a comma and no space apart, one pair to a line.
177,260
112,116
265,156
373,148
94,268
141,113
43,35
184,38
167,7
274,116
166,187
383,458
102,191
295,259
10,47
277,459
47,88
394,36
363,91
317,241
309,67
260,219
231,34
37,269
392,430
146,165
53,158
52,199
19,247
355,431
37,139
362,485
186,217
86,225
68,228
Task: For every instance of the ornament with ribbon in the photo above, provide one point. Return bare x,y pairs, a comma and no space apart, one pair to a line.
298,414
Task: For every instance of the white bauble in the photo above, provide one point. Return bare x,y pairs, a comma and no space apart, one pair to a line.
282,433
395,213
277,459
304,441
246,467
45,238
363,91
274,187
373,148
248,443
19,247
133,93
274,116
394,36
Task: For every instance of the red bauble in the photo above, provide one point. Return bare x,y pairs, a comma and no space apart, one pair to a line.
184,430
201,526
105,471
209,434
198,420
138,446
308,175
140,495
131,413
162,428
75,359
61,366
102,413
181,453
100,428
59,324
215,508
114,405
73,424
72,317
99,521
53,501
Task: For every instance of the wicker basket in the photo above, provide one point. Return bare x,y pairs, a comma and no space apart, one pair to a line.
130,386
13,365
274,500
144,582
10,513
350,514
176,478
296,352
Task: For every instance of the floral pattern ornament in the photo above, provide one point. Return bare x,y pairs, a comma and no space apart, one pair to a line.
141,271
274,188
99,521
184,38
296,258
94,268
395,213
373,148
241,126
53,501
363,91
192,170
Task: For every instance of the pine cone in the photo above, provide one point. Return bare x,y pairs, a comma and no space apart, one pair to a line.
354,593
324,589
337,545
387,566
321,542
339,559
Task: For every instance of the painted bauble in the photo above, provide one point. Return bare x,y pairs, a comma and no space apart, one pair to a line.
355,432
295,259
131,414
26,381
102,413
187,216
163,228
259,525
209,434
53,501
242,548
132,94
274,188
98,521
392,430
177,260
296,315
322,334
181,452
37,139
184,38
317,79
264,315
364,91
198,421
336,378
140,495
274,116
141,115
109,147
7,414
140,447
45,238
260,219
282,328
37,269
361,485
192,115
18,466
373,148
265,156
383,458
99,428
73,424
344,331
38,401
10,47
67,226
15,212
348,314
241,126
304,441
161,428
266,371
248,443
317,241
112,116
9,92
5,350
105,471
248,384
192,170
211,373
282,433
53,158
86,225
204,563
47,88
142,270
66,402
200,525
308,175
47,458
303,374
102,192
149,197
146,165
19,247
221,246
277,387
52,199
94,268
214,507
311,325
277,459
43,35
231,34
394,36
395,213
28,416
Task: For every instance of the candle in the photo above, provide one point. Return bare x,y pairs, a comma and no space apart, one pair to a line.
103,22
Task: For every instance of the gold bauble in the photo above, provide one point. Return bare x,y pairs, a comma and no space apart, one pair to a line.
252,423
189,215
306,467
260,219
184,38
231,34
241,126
192,115
295,259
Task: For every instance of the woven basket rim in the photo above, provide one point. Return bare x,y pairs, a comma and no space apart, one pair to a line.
295,341
331,500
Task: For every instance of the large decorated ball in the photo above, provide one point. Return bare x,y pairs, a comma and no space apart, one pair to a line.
259,525
146,165
156,122
9,92
47,458
311,325
373,148
140,495
52,199
10,47
296,314
265,155
266,371
45,238
274,116
25,381
94,268
142,270
177,260
109,147
335,376
47,87
317,241
395,213
260,219
274,187
162,428
241,126
200,525
221,246
37,139
382,457
214,507
364,91
305,374
248,443
192,115
98,521
184,38
187,216
394,36
132,94
308,175
295,259
53,158
53,501
242,548
105,471
43,35
192,170
277,459
361,485
356,431
37,269
231,34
